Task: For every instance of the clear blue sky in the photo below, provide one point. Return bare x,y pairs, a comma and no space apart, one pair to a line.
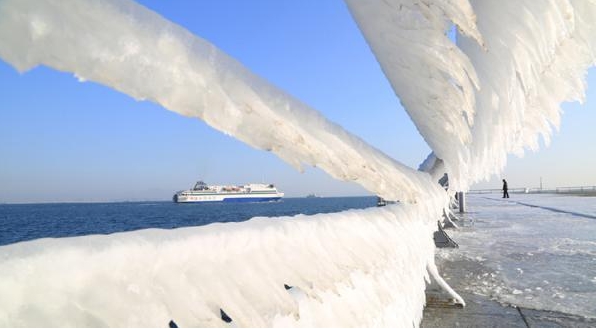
62,140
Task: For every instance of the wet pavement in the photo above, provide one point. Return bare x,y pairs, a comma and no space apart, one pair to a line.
483,312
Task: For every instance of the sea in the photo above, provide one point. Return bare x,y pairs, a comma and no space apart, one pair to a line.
23,222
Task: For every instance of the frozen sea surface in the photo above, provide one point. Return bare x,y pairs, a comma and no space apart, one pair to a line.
539,250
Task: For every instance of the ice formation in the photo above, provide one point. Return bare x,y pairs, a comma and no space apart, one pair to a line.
147,57
433,78
533,65
354,268
493,92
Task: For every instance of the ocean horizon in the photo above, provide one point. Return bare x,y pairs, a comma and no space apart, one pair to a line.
157,200
28,221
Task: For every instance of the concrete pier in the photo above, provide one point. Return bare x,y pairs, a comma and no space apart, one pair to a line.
482,311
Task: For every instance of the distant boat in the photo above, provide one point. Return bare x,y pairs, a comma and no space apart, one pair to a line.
312,195
382,202
202,192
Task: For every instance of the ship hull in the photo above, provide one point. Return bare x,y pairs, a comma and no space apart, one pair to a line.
214,198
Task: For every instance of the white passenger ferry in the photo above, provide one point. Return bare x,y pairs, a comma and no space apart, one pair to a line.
202,192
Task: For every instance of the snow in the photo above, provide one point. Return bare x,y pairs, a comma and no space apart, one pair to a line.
354,268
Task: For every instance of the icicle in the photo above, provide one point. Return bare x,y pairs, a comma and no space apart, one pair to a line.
432,269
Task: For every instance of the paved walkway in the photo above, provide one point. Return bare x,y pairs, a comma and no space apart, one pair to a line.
482,312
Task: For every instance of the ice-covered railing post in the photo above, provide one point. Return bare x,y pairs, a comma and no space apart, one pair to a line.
434,80
495,90
486,94
461,200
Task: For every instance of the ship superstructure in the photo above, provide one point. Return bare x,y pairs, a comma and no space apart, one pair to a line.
202,192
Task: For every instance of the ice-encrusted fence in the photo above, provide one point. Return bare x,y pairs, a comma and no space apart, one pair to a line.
356,268
513,63
353,268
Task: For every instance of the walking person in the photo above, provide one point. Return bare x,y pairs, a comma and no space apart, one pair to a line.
505,193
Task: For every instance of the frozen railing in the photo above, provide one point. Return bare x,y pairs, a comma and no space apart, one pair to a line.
359,268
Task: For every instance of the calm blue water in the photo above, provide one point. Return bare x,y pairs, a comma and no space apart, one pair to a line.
22,222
